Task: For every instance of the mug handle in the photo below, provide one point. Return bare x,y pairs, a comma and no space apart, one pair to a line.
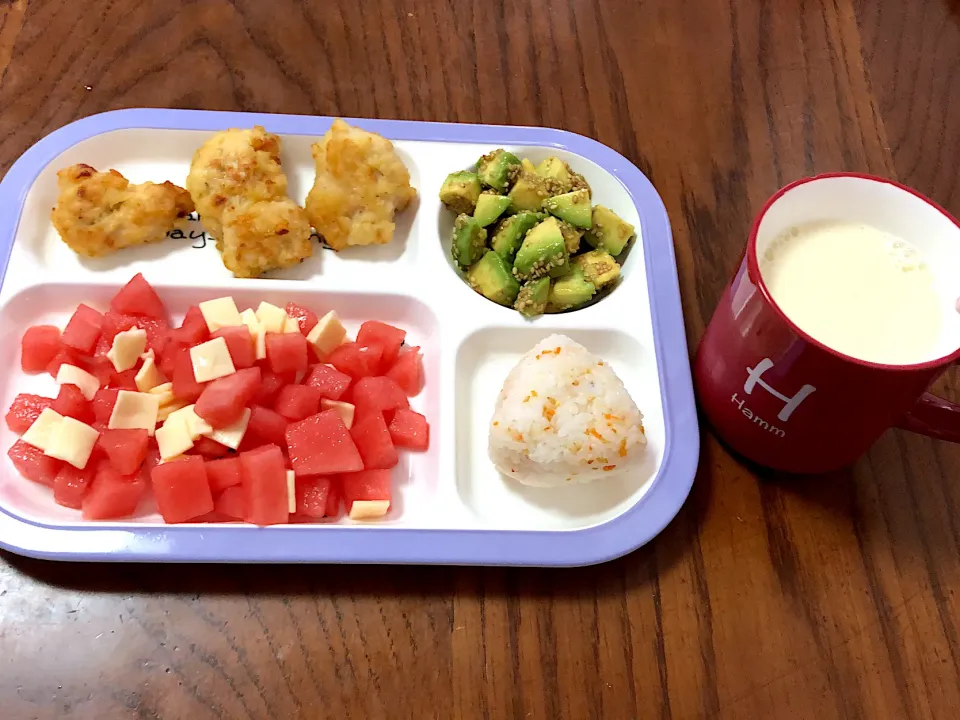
935,417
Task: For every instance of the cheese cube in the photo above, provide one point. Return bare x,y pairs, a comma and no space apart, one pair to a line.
72,441
219,313
40,432
290,325
271,317
327,334
162,389
369,509
166,410
135,410
173,438
291,491
257,332
211,360
148,376
127,348
232,434
196,425
344,409
72,375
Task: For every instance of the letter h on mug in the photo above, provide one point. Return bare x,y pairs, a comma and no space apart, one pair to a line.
755,377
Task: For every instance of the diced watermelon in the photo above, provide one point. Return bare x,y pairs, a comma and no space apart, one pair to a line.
239,345
66,356
83,330
321,445
388,337
111,495
103,403
209,448
149,463
305,317
158,332
103,370
373,442
333,497
193,330
126,380
39,345
70,402
365,485
286,352
125,448
181,489
312,493
407,371
264,483
377,395
223,473
223,400
231,502
70,484
139,298
296,402
357,360
25,410
113,323
167,360
33,464
409,430
270,384
185,385
267,425
331,383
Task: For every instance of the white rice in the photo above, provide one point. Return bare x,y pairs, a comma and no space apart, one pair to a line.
563,416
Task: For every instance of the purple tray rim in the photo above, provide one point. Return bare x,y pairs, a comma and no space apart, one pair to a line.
384,544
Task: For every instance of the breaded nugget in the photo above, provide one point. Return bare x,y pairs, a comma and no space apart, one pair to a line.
361,184
98,213
236,178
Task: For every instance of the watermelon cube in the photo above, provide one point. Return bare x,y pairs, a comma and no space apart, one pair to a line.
331,383
193,330
185,385
377,395
83,330
102,404
239,345
390,338
365,485
409,430
38,346
125,449
181,489
209,448
373,442
25,410
139,298
296,402
321,445
70,402
264,483
267,426
333,498
70,485
286,352
270,384
231,503
33,464
158,332
223,473
357,360
223,400
305,317
312,494
112,495
126,380
407,371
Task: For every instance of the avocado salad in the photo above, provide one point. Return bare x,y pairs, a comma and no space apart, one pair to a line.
517,236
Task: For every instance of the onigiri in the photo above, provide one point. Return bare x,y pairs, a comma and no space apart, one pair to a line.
563,416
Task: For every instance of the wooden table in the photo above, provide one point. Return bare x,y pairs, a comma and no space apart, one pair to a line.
836,597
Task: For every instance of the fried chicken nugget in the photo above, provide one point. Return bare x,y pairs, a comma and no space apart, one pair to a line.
361,184
98,213
240,190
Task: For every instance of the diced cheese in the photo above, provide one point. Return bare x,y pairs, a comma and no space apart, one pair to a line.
271,317
196,425
291,491
72,375
232,434
290,325
72,441
344,409
368,509
257,332
166,410
148,376
162,389
40,432
127,348
219,313
173,438
327,334
211,360
135,410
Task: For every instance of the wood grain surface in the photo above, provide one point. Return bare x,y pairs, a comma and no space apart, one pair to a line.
830,597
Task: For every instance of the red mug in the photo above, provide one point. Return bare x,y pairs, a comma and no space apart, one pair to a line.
786,401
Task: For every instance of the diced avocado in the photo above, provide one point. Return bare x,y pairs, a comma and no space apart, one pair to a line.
533,296
460,191
525,164
490,206
528,192
469,241
609,231
510,231
598,267
490,276
571,236
494,168
571,291
542,250
572,207
558,171
561,271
